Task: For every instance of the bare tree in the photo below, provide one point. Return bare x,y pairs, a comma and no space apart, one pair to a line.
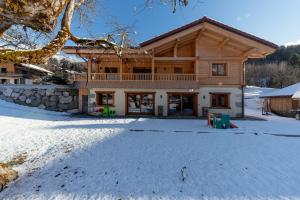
42,16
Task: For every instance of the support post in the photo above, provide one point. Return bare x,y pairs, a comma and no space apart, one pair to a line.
152,65
89,65
197,61
121,69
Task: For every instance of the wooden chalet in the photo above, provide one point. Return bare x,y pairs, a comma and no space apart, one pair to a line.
285,101
11,73
191,70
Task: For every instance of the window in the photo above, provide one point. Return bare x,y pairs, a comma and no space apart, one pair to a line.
142,70
105,98
140,103
111,70
178,70
219,69
3,70
181,104
4,81
219,100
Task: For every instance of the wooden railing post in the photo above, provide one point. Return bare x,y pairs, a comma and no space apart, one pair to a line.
89,69
153,65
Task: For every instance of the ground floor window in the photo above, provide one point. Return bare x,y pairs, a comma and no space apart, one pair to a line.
219,100
182,104
4,81
140,103
105,98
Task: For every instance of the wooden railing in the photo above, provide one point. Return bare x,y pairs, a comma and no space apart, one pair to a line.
10,75
175,77
141,77
79,77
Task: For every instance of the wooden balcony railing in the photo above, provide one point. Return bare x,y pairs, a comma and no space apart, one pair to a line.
137,77
10,75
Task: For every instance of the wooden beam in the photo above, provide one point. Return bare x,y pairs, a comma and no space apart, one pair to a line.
249,51
174,59
224,42
121,69
89,65
173,37
210,58
175,48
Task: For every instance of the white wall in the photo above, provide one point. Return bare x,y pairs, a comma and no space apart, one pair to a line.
161,98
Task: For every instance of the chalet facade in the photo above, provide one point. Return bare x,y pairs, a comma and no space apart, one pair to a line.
188,71
11,73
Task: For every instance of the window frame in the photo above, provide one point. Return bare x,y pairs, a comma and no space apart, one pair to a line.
218,106
218,70
98,93
4,69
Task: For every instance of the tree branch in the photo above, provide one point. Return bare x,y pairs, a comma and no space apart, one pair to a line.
42,55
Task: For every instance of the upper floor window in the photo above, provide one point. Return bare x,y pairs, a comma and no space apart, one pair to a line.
178,70
219,69
3,70
105,98
111,70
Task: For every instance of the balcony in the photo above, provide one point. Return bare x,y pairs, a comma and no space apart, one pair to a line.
135,77
136,80
10,75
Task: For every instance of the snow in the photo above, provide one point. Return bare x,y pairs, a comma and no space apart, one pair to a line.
287,91
91,158
296,96
37,68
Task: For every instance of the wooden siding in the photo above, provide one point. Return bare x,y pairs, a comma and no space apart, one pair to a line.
283,105
9,67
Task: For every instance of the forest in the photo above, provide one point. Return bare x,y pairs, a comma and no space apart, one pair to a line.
278,70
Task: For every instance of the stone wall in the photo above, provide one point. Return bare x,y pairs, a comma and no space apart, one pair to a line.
54,98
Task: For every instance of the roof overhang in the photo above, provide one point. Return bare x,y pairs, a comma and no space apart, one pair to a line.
257,47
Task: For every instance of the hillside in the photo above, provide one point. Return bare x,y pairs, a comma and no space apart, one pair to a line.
278,70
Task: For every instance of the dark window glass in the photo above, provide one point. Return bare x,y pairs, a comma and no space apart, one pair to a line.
219,69
220,100
3,70
111,70
140,103
104,99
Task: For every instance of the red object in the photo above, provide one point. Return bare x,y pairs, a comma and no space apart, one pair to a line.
233,125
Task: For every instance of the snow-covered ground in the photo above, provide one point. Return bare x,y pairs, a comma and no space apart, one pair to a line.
88,158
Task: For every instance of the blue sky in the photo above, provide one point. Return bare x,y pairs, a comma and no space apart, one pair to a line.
275,20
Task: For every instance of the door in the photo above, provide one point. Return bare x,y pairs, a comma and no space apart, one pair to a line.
85,107
140,103
182,104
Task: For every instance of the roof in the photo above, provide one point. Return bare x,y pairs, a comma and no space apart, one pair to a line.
213,22
37,68
296,96
287,91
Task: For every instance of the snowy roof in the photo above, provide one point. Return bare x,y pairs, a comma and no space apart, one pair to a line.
37,68
287,91
296,96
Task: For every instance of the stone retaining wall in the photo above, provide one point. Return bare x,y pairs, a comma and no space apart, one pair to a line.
54,98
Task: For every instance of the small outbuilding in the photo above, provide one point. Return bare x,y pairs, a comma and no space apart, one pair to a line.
285,101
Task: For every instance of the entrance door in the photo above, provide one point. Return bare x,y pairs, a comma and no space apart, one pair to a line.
85,104
140,103
182,104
